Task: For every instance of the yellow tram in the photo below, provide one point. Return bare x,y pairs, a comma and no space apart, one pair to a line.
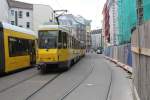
18,48
58,47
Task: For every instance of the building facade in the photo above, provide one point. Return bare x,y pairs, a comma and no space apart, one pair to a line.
96,36
42,14
29,16
106,24
80,27
118,24
4,9
113,21
21,14
88,35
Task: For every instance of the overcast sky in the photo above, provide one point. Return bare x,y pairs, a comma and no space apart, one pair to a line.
89,9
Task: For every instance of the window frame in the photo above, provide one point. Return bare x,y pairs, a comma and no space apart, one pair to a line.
12,22
27,14
27,24
22,52
20,14
12,12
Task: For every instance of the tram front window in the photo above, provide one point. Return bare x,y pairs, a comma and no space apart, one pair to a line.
48,39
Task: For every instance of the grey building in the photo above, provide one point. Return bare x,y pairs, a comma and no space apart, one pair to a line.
80,27
97,40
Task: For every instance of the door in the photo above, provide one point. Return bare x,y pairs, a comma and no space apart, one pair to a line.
62,44
32,52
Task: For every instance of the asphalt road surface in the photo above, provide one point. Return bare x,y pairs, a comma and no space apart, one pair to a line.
92,78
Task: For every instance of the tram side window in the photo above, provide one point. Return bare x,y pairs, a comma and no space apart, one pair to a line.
64,40
71,42
60,40
18,47
68,42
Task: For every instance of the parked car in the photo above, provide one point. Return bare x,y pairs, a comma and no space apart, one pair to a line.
99,51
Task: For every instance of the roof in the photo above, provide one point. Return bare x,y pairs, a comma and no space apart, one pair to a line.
17,29
54,27
76,19
18,4
98,31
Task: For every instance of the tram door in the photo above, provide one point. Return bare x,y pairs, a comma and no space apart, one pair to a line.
32,52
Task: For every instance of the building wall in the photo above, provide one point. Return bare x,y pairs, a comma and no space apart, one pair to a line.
96,40
41,14
88,36
4,10
106,26
113,21
21,22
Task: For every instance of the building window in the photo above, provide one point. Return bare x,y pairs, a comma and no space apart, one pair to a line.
12,12
28,24
18,47
20,14
12,22
27,14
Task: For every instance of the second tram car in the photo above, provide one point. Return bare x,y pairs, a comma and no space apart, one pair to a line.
58,47
18,48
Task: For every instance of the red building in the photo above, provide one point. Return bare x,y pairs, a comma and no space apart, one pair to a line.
106,25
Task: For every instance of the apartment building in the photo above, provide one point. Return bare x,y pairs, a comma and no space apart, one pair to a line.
4,9
29,16
20,14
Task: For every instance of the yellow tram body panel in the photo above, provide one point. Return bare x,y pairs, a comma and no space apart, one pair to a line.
14,63
18,62
54,55
49,55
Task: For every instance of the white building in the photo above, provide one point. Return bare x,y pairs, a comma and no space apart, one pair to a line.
21,14
113,21
4,10
28,15
42,14
96,38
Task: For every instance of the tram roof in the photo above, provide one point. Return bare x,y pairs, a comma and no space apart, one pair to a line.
17,29
54,27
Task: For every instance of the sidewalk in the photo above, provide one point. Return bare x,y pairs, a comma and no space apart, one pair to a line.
121,87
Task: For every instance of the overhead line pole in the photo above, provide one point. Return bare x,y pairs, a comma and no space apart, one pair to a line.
57,17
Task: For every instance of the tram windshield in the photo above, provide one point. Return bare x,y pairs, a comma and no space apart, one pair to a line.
48,39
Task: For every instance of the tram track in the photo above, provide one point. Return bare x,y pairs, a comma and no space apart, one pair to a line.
75,86
27,88
19,81
13,85
62,86
49,81
42,86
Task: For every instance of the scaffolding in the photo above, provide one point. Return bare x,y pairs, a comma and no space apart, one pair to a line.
146,6
127,19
